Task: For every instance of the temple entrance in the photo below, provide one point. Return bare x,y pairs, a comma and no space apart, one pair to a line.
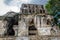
32,30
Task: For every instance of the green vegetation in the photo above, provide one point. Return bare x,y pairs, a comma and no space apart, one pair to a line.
53,6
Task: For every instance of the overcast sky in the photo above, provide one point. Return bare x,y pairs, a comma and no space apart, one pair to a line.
14,5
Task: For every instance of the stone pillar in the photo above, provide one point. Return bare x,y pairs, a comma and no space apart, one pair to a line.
43,22
37,22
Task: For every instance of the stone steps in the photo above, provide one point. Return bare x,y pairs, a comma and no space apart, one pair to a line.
7,38
34,37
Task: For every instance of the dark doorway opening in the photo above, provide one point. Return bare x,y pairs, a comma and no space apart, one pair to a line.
32,28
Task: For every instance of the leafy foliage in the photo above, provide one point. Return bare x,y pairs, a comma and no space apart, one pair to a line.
53,6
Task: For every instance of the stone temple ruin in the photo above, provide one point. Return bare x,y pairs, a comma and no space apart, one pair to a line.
32,23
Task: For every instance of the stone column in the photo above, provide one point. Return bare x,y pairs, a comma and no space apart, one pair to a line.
37,21
42,24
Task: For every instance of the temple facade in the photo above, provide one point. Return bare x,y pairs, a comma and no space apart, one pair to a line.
35,20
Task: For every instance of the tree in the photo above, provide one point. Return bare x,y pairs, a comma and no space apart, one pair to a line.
53,6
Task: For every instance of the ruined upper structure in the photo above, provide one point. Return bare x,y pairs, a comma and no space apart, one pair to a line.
35,10
32,8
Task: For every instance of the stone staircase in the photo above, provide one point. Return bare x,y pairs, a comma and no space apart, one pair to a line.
7,38
34,37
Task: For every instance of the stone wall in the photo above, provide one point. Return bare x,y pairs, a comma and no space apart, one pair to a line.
1,28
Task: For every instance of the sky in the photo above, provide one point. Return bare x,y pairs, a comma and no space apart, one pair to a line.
14,5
